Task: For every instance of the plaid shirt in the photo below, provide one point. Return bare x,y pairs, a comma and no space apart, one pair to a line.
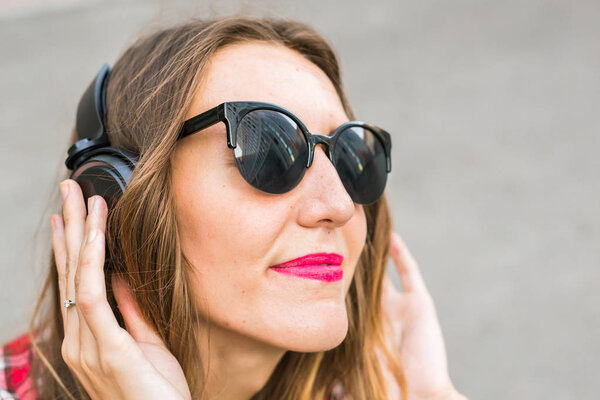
15,363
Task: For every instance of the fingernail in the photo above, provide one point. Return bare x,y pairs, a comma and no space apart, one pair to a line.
64,189
91,236
91,202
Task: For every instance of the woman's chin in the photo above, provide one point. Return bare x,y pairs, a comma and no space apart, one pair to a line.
318,344
314,335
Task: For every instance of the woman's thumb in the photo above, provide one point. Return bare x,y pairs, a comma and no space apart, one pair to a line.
136,325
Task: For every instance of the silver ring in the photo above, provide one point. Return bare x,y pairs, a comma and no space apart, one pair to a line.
68,303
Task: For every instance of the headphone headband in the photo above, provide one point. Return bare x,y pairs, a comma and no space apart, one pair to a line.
90,120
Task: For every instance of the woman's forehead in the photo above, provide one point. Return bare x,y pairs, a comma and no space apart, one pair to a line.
269,72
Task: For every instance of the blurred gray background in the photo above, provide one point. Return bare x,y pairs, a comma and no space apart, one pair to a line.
494,109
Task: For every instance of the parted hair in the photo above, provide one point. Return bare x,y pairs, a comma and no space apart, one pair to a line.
149,91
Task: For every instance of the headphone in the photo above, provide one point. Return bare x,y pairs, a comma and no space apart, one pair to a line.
98,168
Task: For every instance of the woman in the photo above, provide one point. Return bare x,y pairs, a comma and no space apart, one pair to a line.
221,281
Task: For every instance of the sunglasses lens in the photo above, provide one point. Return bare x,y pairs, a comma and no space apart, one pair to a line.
360,160
271,152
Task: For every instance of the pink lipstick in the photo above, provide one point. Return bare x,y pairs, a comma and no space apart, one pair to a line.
325,267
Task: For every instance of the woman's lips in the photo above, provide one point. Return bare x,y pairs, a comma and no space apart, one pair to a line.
325,267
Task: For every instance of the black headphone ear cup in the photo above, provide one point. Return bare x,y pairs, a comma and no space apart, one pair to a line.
105,172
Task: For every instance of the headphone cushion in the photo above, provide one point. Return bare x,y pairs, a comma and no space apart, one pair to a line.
105,172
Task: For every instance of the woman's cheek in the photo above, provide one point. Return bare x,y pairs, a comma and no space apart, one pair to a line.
356,236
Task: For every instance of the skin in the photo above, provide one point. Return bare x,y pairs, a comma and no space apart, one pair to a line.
231,233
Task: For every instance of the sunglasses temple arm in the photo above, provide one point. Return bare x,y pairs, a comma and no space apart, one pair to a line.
387,139
202,121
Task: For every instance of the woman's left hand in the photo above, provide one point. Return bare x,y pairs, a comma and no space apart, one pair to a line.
413,329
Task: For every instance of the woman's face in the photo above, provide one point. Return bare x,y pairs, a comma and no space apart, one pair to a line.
233,233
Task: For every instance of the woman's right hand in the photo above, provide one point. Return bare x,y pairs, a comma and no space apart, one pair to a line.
109,361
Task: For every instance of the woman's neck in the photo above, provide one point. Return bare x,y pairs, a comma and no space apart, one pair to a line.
237,366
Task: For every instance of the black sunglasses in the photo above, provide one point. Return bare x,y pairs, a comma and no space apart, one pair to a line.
273,148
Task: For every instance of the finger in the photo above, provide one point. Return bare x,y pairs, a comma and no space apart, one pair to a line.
135,323
389,288
406,265
92,292
60,255
97,321
389,295
74,220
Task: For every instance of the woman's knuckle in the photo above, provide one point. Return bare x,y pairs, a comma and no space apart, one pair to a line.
84,304
107,362
73,216
120,344
114,353
72,260
69,218
62,275
88,363
68,354
87,261
86,299
64,353
77,280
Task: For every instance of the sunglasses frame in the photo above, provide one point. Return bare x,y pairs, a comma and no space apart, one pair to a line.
232,112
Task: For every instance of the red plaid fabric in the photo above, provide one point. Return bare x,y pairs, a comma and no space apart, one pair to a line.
15,363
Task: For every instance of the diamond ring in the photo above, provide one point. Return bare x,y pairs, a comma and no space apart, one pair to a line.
68,303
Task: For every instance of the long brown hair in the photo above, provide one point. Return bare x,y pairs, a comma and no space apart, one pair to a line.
149,91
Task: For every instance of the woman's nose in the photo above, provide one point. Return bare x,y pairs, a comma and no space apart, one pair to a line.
324,201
